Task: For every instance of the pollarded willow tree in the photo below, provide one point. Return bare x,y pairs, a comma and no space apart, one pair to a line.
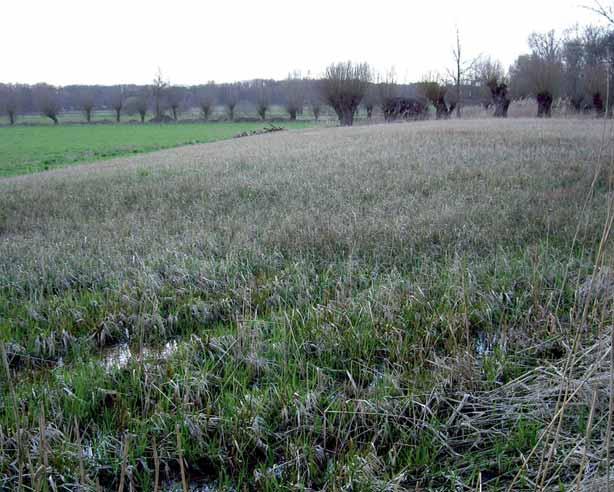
371,100
9,101
294,90
205,98
598,44
138,103
263,97
117,101
48,101
175,97
539,74
230,94
87,103
491,76
434,91
574,71
344,86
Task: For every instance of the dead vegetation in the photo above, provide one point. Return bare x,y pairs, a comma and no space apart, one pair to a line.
262,131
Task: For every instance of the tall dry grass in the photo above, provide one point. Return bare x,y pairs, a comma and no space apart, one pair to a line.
394,307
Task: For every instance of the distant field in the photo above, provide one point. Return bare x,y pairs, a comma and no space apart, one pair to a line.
28,149
401,307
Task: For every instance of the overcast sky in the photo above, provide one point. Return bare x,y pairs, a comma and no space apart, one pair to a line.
193,41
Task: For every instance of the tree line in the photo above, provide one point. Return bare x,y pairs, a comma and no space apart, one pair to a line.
574,67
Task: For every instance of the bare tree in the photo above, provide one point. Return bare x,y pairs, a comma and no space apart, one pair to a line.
294,89
344,86
316,108
546,69
47,100
314,96
9,102
117,100
387,87
138,103
141,106
596,86
205,98
86,102
231,94
520,78
574,62
263,97
598,46
539,74
607,13
371,99
462,69
499,94
175,97
392,105
433,89
158,90
545,46
491,76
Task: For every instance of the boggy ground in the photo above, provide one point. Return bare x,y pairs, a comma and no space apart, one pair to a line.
394,307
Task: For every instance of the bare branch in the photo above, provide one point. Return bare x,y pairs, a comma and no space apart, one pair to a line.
606,12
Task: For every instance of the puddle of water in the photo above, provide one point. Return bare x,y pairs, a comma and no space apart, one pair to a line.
485,344
192,486
118,356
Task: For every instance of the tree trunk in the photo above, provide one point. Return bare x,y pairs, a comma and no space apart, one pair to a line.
292,113
88,116
598,104
502,105
348,117
118,114
12,117
174,109
458,95
442,111
499,99
142,117
576,103
544,105
369,112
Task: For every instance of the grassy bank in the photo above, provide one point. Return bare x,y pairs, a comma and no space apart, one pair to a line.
396,307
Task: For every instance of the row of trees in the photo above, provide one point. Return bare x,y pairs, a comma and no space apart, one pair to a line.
164,100
575,66
345,85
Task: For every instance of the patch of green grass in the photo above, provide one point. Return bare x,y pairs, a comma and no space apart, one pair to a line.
29,149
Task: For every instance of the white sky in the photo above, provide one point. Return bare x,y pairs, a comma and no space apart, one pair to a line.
193,41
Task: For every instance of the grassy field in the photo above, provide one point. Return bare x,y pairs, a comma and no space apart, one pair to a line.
27,149
393,307
218,114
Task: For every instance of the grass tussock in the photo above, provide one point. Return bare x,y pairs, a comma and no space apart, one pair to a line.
398,307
